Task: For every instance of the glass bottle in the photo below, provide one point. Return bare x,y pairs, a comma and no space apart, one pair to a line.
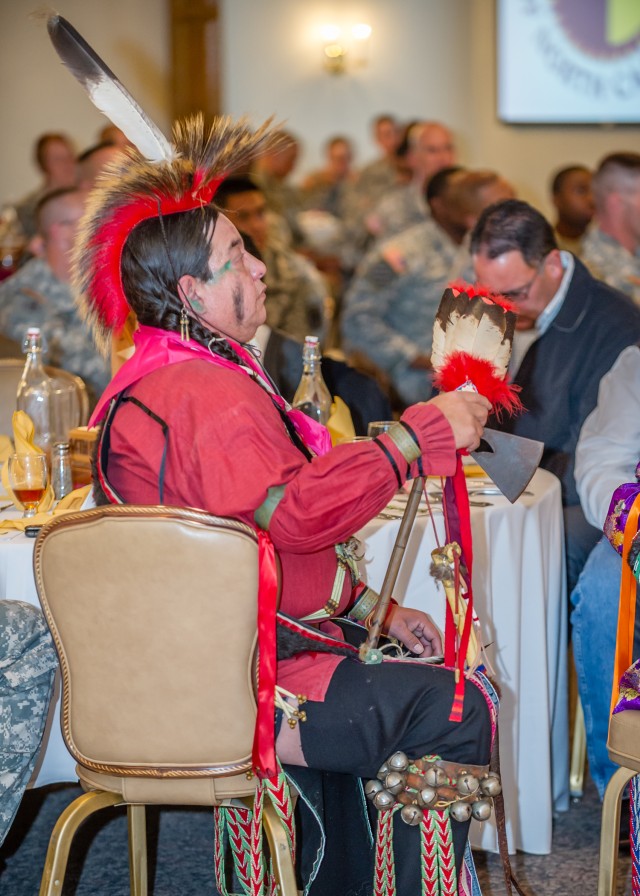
312,396
34,390
61,470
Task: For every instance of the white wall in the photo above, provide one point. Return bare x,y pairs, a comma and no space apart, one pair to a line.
39,95
428,58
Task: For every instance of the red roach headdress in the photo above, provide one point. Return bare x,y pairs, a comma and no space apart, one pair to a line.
158,178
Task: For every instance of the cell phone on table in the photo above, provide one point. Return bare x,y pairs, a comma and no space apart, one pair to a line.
32,531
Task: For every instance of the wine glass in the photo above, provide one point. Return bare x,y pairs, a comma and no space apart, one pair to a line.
28,480
377,427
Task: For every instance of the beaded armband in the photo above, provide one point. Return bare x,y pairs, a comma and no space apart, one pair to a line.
364,606
405,441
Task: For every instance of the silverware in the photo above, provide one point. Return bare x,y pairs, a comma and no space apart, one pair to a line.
6,506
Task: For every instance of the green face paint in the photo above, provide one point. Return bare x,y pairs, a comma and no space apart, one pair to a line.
218,275
197,305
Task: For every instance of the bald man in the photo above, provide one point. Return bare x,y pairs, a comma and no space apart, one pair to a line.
39,294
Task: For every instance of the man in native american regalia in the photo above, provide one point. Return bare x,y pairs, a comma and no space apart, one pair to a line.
193,419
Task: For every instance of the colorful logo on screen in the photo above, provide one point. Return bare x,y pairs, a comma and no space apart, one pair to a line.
602,28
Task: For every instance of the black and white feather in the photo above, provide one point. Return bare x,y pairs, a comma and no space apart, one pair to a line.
106,92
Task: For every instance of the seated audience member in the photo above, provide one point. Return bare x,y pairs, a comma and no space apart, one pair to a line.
92,162
271,172
572,197
607,453
379,176
114,136
430,148
282,357
296,291
327,188
611,248
28,662
56,159
389,309
576,328
390,306
232,448
39,294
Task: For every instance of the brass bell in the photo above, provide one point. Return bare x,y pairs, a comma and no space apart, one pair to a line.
481,810
372,787
460,810
399,762
467,784
411,814
435,776
384,800
427,796
490,785
394,782
383,771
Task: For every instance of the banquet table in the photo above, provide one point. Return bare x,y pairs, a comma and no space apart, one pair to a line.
520,597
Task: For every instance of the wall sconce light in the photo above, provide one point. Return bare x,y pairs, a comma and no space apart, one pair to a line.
339,50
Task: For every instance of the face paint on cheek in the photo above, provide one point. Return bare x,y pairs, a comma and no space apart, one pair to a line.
197,305
217,276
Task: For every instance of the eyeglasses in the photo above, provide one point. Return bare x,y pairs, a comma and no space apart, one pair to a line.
522,293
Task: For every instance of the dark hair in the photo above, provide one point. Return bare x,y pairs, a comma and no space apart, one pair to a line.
513,225
437,185
157,253
233,186
105,144
405,143
43,141
560,177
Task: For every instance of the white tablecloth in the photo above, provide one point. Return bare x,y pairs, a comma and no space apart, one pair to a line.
17,583
520,596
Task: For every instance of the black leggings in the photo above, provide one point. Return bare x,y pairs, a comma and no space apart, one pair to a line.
369,712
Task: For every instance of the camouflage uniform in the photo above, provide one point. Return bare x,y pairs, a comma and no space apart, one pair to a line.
398,210
391,304
34,297
28,663
296,292
611,262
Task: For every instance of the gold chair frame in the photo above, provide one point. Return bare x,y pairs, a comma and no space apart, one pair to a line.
172,593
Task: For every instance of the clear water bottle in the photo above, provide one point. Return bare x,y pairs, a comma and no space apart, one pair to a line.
34,390
61,470
312,396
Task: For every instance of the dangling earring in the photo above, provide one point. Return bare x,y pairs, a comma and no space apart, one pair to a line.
184,326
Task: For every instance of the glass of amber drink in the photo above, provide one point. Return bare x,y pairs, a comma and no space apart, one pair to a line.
28,480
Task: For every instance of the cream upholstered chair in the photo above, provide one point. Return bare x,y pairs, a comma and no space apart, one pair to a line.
153,613
623,745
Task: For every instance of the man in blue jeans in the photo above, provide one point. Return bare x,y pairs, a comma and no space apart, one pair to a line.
607,453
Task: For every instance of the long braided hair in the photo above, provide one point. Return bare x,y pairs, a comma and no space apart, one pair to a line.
157,253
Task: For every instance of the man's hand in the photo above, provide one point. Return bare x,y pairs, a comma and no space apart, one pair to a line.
466,413
415,629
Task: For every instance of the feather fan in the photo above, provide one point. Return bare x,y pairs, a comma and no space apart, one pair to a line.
472,340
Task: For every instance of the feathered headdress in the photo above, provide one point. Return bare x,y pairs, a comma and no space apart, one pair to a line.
165,177
472,340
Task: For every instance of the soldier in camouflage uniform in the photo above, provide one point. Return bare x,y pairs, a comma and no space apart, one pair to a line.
391,304
39,295
296,290
611,248
27,667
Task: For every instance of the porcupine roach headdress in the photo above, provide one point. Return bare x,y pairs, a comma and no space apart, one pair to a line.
164,178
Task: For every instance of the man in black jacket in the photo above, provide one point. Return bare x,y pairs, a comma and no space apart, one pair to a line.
570,330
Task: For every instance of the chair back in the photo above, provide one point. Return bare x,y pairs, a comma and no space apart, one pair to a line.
153,614
10,373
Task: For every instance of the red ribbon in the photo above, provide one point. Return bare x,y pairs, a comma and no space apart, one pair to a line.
264,748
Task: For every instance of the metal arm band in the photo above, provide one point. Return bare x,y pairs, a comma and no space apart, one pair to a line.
405,442
367,601
263,514
390,458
